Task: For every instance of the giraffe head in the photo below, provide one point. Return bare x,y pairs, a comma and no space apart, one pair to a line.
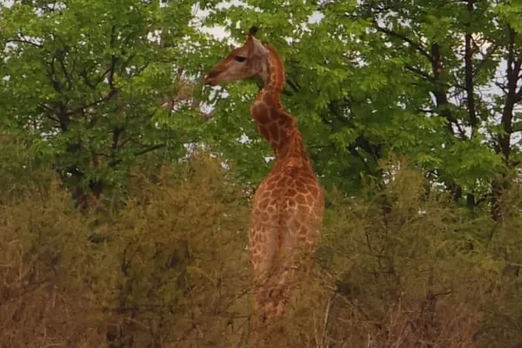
243,62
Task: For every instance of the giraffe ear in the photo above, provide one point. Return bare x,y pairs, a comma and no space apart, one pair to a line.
256,48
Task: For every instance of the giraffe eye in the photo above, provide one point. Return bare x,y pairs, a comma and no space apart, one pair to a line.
240,59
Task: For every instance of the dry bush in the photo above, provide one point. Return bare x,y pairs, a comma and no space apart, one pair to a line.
404,274
502,303
393,271
44,255
181,246
20,171
169,269
166,265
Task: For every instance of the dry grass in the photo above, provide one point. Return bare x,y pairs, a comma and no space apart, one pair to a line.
166,265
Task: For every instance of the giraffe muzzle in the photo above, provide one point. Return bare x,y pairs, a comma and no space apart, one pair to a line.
209,78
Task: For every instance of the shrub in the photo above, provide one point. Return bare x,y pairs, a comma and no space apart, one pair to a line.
165,264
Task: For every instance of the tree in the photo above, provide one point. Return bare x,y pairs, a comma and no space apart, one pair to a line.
84,84
436,81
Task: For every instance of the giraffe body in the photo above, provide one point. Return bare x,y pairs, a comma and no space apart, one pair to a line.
288,205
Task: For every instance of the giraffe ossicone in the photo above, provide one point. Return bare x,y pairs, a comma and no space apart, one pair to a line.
287,211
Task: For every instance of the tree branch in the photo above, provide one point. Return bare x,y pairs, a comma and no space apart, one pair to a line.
293,85
501,86
404,38
431,79
468,67
487,56
138,153
86,80
419,72
25,41
94,103
149,149
441,94
512,71
114,59
60,56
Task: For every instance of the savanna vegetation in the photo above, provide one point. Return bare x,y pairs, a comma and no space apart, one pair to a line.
125,184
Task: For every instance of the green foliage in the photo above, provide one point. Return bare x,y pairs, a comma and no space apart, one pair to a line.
81,82
437,82
370,78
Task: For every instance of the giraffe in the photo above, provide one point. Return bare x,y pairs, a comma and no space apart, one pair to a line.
288,205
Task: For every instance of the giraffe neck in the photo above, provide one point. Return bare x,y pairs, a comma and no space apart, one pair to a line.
276,125
274,76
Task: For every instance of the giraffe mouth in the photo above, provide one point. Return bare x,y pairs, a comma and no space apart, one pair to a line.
210,78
